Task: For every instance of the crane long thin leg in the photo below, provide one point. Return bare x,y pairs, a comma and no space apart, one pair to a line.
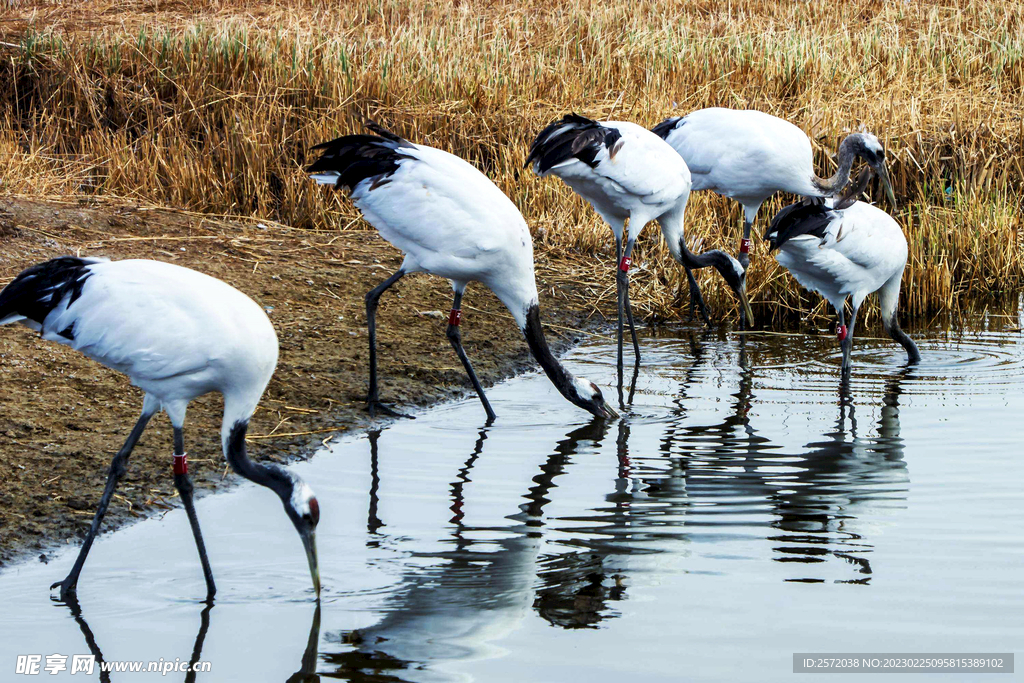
632,331
455,337
373,403
848,342
841,315
183,483
118,467
622,285
620,303
744,259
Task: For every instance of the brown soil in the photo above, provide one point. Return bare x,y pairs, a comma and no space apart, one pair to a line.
63,416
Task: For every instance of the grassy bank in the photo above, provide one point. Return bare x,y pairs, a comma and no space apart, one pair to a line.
212,108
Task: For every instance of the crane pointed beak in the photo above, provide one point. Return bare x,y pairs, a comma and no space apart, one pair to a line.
309,542
610,413
883,176
745,303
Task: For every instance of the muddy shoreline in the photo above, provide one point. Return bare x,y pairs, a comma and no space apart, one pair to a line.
62,416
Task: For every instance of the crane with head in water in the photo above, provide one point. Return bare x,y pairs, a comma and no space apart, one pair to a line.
628,173
177,334
843,249
449,220
749,155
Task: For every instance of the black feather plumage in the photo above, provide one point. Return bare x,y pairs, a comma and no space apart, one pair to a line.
665,127
39,289
806,217
571,137
356,158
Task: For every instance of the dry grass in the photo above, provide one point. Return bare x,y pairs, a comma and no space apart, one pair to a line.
211,106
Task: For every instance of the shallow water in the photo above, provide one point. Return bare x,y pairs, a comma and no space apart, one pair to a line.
746,508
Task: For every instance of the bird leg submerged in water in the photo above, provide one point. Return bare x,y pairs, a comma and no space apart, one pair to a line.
455,337
622,288
118,467
184,486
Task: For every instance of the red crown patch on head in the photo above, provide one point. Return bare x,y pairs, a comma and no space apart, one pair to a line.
314,511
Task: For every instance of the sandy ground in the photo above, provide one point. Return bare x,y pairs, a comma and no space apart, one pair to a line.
62,416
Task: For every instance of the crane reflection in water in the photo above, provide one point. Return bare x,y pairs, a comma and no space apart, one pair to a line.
702,484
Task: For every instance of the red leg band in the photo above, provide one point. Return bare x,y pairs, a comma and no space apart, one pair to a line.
181,464
625,263
744,246
455,317
841,332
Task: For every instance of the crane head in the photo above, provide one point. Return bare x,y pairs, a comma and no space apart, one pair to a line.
589,397
735,275
304,511
868,148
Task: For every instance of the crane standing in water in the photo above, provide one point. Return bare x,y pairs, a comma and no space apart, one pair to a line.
177,334
749,155
628,173
841,249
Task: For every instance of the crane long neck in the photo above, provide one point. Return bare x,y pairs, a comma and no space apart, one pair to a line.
556,372
888,299
695,261
830,186
273,477
898,335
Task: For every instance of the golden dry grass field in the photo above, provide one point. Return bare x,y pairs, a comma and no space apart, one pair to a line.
212,106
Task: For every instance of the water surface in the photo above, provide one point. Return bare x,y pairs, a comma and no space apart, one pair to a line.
747,507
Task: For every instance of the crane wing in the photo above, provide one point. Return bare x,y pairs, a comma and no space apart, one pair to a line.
620,157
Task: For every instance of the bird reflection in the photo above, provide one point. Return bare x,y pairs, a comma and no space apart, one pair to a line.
373,522
477,591
835,477
305,674
728,468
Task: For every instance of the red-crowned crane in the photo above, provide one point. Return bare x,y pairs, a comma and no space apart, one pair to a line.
627,172
177,334
449,220
748,156
845,248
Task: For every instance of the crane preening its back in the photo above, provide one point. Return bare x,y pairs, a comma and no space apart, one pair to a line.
749,155
449,220
845,248
626,172
177,334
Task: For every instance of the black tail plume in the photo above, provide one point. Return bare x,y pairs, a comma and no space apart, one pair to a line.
40,288
572,136
355,158
665,127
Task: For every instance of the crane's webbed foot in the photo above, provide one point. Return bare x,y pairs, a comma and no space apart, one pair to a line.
374,407
68,588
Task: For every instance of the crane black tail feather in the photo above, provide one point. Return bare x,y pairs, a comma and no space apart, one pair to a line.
571,137
351,159
40,288
667,126
806,217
